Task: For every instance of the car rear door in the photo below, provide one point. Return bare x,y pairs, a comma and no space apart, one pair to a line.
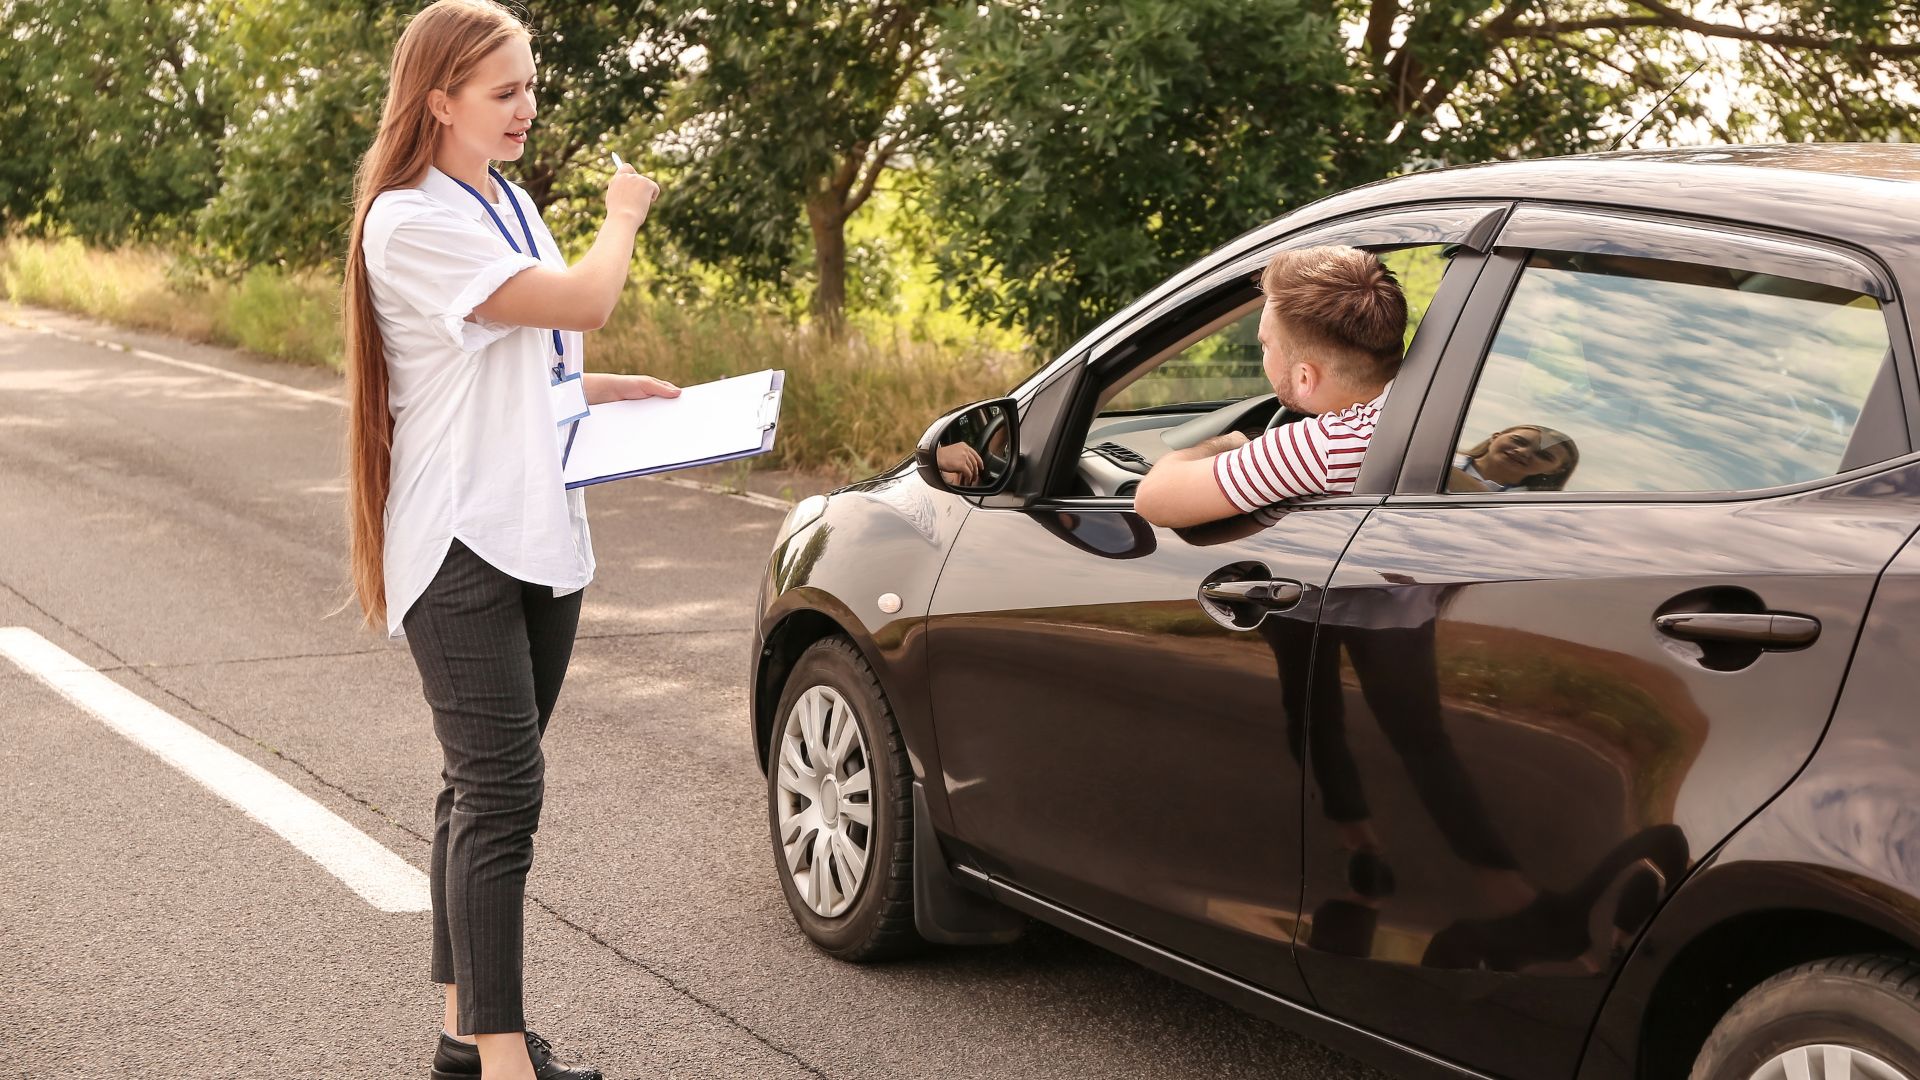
1564,677
1108,744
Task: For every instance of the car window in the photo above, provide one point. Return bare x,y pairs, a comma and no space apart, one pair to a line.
1225,365
1222,366
1614,373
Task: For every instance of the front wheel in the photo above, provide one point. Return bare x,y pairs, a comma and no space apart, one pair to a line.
840,807
1852,1017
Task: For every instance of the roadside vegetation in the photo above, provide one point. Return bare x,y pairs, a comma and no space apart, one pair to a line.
853,404
907,204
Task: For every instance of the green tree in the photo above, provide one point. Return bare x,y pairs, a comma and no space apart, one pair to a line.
789,115
115,113
314,77
320,77
1093,147
1470,81
1801,69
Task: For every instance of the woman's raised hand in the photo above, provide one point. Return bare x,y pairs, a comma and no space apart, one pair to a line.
630,194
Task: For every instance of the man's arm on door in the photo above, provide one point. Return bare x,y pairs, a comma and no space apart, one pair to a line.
1180,489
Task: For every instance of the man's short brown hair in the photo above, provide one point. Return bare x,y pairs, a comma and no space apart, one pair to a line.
1344,303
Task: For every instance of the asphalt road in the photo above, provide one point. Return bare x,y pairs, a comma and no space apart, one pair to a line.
181,532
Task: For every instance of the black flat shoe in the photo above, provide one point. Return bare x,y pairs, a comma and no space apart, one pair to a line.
455,1060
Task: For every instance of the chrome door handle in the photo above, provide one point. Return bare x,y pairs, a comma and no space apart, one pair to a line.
1277,594
1766,629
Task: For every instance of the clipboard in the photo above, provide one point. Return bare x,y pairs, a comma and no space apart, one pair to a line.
723,420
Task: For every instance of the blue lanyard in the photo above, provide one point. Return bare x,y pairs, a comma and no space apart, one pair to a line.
559,349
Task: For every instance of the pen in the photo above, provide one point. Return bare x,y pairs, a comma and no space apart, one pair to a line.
617,163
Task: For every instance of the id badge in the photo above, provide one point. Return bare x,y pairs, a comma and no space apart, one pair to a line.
568,396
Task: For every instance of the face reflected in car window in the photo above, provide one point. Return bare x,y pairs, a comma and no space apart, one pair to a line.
1530,456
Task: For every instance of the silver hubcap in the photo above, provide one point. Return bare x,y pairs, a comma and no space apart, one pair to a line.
1827,1061
825,801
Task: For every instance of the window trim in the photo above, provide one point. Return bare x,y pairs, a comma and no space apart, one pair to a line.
1482,219
1645,498
1397,226
1433,444
1603,232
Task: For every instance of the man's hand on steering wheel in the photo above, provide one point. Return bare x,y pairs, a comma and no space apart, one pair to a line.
994,442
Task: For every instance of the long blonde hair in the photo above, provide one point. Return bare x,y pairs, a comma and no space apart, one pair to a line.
439,50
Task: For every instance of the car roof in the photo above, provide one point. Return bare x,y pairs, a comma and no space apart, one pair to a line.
1866,193
1873,161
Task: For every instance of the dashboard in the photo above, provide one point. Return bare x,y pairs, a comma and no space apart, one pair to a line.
1121,447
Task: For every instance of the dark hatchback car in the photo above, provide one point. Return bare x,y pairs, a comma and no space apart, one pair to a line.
1581,740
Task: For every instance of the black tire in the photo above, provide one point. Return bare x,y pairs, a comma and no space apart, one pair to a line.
879,923
1869,1003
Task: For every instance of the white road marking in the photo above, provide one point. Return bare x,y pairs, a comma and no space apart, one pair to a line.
250,380
754,497
202,369
382,878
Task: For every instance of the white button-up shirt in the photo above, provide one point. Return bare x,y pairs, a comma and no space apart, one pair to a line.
476,454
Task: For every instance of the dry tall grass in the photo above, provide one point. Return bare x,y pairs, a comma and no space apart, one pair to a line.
288,316
851,405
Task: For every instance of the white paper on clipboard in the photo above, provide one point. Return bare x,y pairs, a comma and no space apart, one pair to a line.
715,421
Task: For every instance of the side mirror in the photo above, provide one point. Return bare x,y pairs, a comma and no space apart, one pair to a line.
972,450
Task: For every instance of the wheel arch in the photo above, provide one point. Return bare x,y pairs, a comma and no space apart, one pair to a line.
1729,929
791,635
1713,972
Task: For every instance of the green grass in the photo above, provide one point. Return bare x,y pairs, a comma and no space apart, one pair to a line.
851,405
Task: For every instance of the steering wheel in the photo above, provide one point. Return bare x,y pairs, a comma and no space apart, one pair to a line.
1281,417
1237,412
995,464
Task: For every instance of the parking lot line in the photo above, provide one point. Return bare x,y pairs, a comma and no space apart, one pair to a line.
380,877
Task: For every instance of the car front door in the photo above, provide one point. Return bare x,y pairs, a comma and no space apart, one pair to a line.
1603,618
1108,742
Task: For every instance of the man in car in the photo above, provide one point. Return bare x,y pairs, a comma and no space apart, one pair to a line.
1331,335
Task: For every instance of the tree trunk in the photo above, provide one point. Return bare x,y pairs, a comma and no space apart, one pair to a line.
829,223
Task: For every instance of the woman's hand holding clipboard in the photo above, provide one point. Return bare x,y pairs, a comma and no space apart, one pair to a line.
724,420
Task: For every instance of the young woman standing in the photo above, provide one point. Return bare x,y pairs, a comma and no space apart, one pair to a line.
464,338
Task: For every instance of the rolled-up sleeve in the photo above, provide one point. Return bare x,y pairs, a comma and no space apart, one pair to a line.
444,266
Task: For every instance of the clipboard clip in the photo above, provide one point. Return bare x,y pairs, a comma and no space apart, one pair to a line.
769,409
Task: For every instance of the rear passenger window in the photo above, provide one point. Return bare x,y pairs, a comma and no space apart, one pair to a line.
1613,373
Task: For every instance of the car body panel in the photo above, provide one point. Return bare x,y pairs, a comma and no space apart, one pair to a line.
1563,738
1843,838
889,534
1108,745
1203,860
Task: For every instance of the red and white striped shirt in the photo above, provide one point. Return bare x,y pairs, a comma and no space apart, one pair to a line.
1317,456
